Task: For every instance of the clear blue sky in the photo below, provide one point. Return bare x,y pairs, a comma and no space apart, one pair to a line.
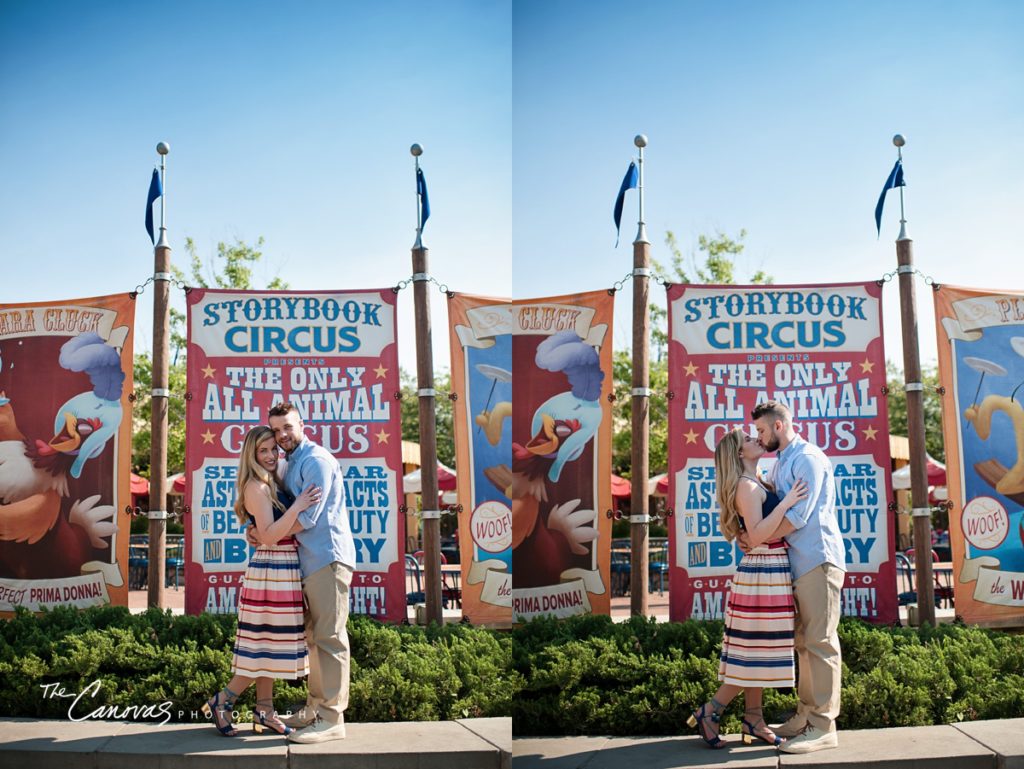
776,118
294,122
290,121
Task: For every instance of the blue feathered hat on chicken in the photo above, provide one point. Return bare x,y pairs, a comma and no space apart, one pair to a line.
84,424
563,425
566,352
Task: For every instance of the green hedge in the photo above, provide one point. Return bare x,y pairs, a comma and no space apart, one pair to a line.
398,673
589,675
585,675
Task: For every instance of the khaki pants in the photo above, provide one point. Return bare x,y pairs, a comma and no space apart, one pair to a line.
819,660
326,615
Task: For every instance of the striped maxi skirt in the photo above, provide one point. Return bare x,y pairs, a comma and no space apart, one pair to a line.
271,640
757,649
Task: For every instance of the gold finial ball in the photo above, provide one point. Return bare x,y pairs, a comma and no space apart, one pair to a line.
899,140
163,148
416,150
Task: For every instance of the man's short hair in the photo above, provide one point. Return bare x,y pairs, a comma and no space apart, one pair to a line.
773,409
282,409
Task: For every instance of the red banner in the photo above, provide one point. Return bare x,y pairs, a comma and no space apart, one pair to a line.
819,350
981,363
65,452
560,475
334,355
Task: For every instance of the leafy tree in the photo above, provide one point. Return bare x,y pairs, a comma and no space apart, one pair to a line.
622,415
444,425
718,254
719,263
712,262
933,440
231,267
142,416
444,414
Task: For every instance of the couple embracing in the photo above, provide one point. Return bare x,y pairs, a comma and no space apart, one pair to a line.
786,591
293,605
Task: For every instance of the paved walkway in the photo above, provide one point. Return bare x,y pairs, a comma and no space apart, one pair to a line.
977,745
480,743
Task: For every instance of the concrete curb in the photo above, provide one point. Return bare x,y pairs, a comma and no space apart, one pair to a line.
977,745
466,744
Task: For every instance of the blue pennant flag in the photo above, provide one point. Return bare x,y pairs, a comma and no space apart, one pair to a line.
895,180
421,190
156,190
629,182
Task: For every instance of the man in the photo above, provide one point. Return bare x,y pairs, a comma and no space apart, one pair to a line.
327,558
818,563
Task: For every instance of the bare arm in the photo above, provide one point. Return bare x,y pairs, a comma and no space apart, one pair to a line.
759,528
252,535
267,531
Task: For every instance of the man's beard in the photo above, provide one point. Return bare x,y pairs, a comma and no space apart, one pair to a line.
772,444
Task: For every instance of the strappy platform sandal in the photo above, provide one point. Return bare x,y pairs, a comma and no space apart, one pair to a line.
220,708
262,719
698,718
750,731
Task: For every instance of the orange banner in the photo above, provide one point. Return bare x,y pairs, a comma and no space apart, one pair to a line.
533,430
981,366
65,452
482,381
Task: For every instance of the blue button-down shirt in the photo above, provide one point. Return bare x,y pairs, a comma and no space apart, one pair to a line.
326,536
817,538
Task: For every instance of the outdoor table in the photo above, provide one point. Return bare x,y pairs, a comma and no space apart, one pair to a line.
942,572
451,584
622,568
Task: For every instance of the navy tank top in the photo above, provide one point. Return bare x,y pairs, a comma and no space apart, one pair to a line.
285,499
771,501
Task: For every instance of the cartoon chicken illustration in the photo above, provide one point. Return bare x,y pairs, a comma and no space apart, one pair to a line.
560,536
34,474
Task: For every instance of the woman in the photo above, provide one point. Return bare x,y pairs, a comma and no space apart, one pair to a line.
757,649
270,642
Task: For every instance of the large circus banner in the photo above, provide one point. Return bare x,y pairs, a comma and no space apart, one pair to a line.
481,348
65,452
560,476
817,348
334,355
981,365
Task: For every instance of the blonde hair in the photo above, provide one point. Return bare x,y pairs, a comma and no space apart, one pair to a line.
251,470
728,469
